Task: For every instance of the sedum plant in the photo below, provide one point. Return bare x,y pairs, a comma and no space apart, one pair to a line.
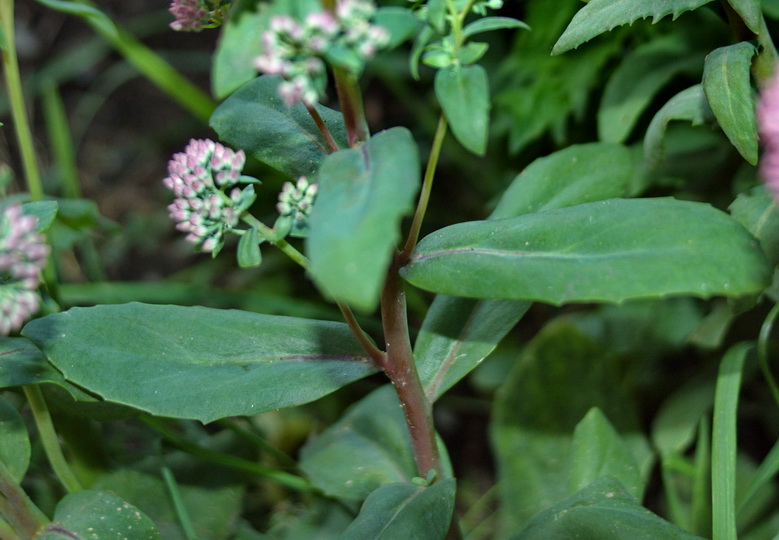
578,226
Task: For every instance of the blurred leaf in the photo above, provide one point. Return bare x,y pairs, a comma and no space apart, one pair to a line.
600,16
488,24
405,511
22,363
601,511
676,423
575,175
256,120
401,23
724,445
561,376
726,82
198,363
92,14
322,519
689,104
368,447
14,441
464,95
757,211
640,76
45,211
563,255
98,514
364,193
457,334
249,255
750,12
598,451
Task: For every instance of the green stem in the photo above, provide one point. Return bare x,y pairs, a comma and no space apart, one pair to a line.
350,98
7,532
763,342
17,508
178,504
268,233
13,85
401,370
257,440
291,481
427,186
49,439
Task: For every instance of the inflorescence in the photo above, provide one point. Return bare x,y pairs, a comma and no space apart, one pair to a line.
200,177
768,122
296,201
23,253
298,52
194,15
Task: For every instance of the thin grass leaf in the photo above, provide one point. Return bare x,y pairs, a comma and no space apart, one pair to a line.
764,474
763,343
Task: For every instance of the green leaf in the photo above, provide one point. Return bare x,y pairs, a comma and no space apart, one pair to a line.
457,334
639,77
401,23
561,375
611,250
574,175
488,24
98,514
256,120
601,511
472,52
724,446
198,363
368,447
464,95
598,451
757,211
22,363
600,16
364,193
14,441
45,211
92,14
405,511
750,12
249,254
726,82
676,424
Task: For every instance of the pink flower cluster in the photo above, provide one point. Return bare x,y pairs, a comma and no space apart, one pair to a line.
296,200
23,253
298,52
199,177
768,124
191,15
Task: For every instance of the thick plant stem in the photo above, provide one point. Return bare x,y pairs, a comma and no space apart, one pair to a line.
323,129
17,509
49,439
401,370
13,85
350,99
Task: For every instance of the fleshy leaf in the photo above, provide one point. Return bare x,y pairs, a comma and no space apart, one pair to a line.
611,250
602,510
249,254
98,514
689,104
600,16
488,24
574,175
364,193
22,363
750,12
726,82
405,511
256,120
368,447
758,211
14,441
464,94
198,363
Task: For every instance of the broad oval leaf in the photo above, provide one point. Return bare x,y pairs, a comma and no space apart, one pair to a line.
750,12
639,77
600,16
758,211
14,441
364,193
574,175
464,95
368,447
256,120
198,363
601,511
726,82
611,250
405,511
689,104
457,334
98,514
22,363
